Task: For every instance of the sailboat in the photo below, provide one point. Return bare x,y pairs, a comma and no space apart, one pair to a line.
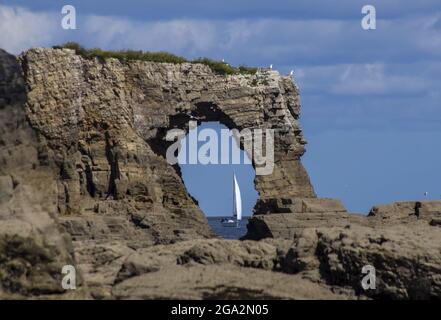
237,207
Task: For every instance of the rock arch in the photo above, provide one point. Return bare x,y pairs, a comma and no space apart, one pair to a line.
101,126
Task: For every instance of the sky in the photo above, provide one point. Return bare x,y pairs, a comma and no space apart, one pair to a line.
370,98
212,184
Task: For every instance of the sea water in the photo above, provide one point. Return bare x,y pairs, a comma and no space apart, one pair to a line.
228,232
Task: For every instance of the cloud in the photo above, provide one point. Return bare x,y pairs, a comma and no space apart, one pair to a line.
276,41
411,79
365,79
341,68
179,36
375,97
432,29
232,10
22,29
373,79
252,41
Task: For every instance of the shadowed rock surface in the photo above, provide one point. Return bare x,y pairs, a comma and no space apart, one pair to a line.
84,182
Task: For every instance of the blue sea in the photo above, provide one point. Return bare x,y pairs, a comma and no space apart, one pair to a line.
228,232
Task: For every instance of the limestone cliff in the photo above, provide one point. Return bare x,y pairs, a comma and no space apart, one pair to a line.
84,181
102,129
83,148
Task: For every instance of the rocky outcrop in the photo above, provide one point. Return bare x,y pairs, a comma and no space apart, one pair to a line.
284,218
406,212
33,246
215,269
199,269
99,130
106,170
406,260
319,263
105,126
83,149
84,182
402,241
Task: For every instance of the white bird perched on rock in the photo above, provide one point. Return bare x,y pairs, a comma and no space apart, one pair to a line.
291,73
271,67
223,60
426,194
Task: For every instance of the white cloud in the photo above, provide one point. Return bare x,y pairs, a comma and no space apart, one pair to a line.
328,56
191,36
373,79
370,79
432,40
250,41
22,29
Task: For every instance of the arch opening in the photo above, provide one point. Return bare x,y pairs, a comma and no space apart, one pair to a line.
207,166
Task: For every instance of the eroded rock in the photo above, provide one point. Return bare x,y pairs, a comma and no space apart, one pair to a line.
84,182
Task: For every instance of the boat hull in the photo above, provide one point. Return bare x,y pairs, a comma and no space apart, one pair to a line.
230,224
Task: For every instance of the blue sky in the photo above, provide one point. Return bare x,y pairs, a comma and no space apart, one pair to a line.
212,184
370,99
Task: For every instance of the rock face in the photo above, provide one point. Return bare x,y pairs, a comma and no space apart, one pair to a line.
84,181
406,212
101,131
284,218
83,147
402,241
33,246
407,260
223,269
319,263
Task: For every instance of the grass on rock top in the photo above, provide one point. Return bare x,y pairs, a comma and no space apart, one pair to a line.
218,67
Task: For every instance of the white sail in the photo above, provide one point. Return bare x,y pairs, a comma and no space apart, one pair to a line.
237,200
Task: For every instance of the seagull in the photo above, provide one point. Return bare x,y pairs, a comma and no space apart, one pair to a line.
271,67
223,60
291,73
426,194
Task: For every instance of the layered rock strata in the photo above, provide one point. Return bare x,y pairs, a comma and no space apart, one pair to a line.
84,182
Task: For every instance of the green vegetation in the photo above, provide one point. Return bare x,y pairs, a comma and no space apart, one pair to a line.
247,70
218,67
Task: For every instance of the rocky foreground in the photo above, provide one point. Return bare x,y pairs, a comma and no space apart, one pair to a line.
84,182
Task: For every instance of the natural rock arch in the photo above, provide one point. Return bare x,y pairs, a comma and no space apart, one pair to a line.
101,129
80,147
